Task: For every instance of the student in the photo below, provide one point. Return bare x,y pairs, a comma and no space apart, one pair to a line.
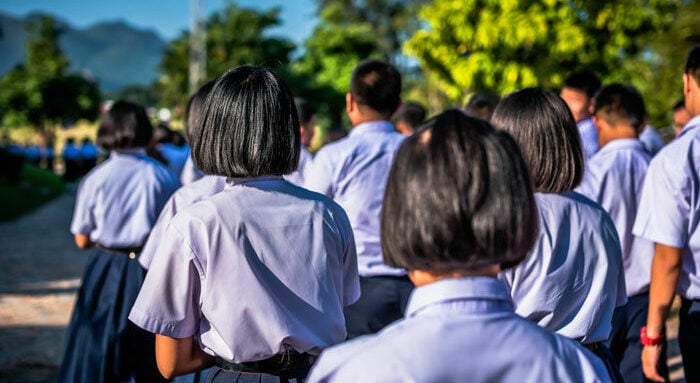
409,117
190,173
680,117
307,124
71,161
669,216
481,105
116,205
578,92
651,139
88,155
572,280
453,220
258,274
614,178
353,172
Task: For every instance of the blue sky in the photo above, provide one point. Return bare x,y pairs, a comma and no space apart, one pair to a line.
167,17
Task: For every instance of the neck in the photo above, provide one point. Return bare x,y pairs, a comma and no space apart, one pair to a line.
620,132
424,277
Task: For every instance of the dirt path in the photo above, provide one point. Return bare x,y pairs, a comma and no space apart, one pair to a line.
40,272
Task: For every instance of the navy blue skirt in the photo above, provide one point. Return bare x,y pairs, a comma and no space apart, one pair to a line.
101,344
218,375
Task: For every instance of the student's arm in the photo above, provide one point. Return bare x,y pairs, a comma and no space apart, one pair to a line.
177,357
665,272
83,241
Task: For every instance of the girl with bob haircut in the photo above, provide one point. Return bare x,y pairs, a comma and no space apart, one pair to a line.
116,206
256,276
573,279
458,207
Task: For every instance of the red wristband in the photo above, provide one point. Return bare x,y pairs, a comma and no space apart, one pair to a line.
647,341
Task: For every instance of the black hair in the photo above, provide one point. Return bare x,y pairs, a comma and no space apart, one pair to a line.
377,85
458,196
584,81
620,103
692,63
305,110
194,109
249,126
481,105
124,126
411,113
542,124
680,104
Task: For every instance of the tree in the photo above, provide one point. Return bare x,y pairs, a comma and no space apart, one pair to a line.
39,93
235,36
500,46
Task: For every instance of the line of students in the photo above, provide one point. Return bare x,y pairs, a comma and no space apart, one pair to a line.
255,277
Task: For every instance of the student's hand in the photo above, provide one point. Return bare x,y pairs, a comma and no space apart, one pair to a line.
650,362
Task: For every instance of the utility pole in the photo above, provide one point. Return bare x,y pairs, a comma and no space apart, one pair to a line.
198,46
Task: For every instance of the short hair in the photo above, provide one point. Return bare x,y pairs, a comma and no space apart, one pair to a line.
124,126
542,124
620,103
481,105
411,113
692,63
458,196
305,110
377,85
584,81
194,109
680,104
249,126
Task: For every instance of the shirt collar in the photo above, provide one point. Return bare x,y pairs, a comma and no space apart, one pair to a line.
457,289
136,152
233,181
372,127
622,144
693,124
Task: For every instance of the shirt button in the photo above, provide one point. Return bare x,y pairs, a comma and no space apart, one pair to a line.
132,255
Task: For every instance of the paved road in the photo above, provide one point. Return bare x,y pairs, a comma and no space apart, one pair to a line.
40,270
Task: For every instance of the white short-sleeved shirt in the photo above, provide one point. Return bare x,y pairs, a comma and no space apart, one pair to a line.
589,137
259,268
669,211
651,140
190,173
305,162
185,196
460,330
353,172
614,178
119,200
572,279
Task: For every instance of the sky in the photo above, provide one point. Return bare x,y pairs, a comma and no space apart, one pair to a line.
167,17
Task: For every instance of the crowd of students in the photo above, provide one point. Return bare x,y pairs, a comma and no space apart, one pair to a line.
533,238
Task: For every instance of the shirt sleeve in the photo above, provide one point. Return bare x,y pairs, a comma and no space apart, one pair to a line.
84,221
351,278
663,211
168,302
319,176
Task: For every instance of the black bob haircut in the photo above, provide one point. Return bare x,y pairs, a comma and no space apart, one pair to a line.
584,81
692,63
305,110
124,126
620,103
376,84
193,112
249,126
542,124
458,197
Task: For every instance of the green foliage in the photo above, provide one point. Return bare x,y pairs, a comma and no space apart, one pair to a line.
501,46
40,93
235,36
36,187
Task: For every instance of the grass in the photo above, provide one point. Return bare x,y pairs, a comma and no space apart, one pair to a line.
35,187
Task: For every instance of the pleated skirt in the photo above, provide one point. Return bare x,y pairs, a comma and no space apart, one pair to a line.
102,346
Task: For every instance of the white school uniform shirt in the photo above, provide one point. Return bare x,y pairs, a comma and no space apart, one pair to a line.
589,137
669,212
119,200
259,268
305,162
190,173
614,178
651,140
353,172
572,279
460,330
185,196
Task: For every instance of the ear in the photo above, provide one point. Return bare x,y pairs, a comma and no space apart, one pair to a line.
597,122
349,103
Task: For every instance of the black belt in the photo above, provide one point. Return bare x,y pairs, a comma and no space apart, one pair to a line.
132,252
275,365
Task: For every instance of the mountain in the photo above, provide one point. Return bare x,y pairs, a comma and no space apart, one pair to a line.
114,53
